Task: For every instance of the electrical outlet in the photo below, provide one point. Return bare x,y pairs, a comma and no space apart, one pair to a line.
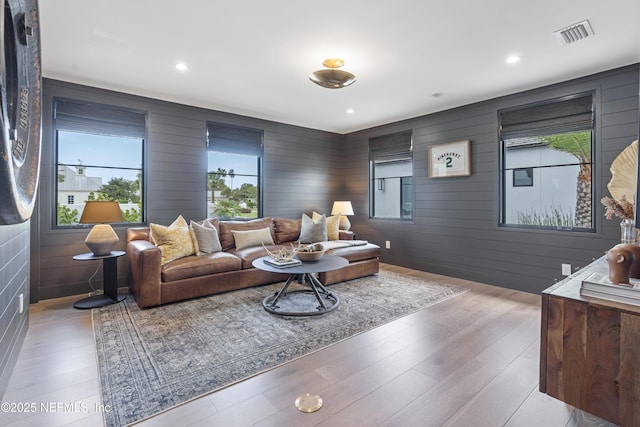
388,244
566,269
20,303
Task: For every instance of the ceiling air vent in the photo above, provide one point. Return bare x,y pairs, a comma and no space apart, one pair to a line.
575,32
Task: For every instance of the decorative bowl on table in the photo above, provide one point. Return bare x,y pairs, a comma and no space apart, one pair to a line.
310,253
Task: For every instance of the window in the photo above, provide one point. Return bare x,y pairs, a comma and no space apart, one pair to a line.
99,156
523,177
391,176
547,166
234,172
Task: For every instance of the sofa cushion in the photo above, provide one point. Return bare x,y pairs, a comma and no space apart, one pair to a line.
313,231
286,230
247,255
357,253
205,237
250,238
226,227
195,266
174,241
333,225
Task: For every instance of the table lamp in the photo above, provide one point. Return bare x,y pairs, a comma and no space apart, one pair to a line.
343,208
102,238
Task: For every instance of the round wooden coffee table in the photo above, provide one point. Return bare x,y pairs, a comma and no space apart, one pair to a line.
327,300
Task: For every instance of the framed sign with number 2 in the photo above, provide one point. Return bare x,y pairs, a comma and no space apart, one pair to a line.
450,159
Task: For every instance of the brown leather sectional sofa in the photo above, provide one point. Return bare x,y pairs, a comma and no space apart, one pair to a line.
152,283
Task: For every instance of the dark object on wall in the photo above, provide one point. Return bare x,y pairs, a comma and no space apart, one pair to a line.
20,110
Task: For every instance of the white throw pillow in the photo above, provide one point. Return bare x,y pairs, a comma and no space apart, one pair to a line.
249,238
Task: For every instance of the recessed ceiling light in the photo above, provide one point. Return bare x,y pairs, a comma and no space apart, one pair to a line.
182,66
350,111
513,59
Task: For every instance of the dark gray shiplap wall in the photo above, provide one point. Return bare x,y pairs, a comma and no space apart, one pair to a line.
299,175
455,226
14,280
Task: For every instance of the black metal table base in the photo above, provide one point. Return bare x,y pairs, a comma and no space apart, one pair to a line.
97,301
327,301
109,280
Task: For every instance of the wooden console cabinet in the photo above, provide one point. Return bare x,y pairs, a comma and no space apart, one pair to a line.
590,351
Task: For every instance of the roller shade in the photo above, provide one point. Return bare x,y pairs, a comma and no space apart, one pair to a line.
568,115
79,117
232,139
391,147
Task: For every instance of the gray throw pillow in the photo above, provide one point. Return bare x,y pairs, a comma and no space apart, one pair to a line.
312,232
206,237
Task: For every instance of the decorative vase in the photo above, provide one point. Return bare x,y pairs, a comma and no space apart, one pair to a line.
627,231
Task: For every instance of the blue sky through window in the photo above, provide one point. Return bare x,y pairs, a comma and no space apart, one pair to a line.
77,148
241,165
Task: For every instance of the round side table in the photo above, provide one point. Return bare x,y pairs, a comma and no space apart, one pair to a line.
109,280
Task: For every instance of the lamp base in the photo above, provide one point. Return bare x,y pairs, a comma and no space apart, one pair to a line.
344,223
101,239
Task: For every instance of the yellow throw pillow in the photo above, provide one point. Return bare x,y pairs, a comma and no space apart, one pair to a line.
249,238
333,224
174,241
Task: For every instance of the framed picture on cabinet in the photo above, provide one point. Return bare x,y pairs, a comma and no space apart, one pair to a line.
450,159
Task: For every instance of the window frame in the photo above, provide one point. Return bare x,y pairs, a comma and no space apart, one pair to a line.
528,171
391,148
592,164
224,135
142,132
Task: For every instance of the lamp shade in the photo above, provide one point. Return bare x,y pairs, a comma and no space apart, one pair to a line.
343,208
102,238
101,212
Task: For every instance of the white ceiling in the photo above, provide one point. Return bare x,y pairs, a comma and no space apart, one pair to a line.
254,57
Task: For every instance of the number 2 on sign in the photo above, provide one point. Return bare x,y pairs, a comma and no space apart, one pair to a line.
449,162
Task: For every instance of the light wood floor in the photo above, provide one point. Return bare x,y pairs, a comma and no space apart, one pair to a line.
469,361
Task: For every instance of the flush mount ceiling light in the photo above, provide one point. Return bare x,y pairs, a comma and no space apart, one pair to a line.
331,77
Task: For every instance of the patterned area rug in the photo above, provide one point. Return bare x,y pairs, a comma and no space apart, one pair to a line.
151,360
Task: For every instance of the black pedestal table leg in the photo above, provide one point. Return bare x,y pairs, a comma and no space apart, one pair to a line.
110,277
315,290
282,291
